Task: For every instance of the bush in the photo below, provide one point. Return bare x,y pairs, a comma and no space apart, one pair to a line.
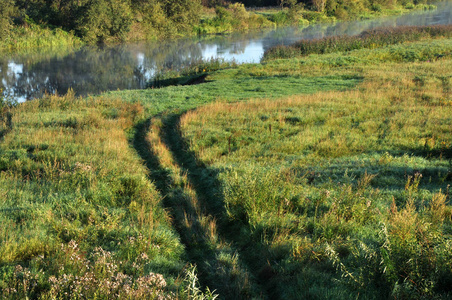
222,13
184,14
6,11
106,20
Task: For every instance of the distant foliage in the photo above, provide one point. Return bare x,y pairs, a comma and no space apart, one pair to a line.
234,17
98,21
182,13
106,19
6,11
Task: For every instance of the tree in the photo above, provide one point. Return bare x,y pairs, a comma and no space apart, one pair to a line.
319,5
287,3
105,20
6,12
183,13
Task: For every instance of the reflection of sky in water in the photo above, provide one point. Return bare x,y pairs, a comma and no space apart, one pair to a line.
92,70
251,53
141,65
13,71
256,47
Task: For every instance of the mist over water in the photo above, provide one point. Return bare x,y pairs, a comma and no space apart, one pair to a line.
92,70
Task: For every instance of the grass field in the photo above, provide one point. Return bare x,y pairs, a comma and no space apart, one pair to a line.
340,192
324,176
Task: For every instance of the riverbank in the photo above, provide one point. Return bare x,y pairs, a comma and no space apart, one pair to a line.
237,19
29,35
325,176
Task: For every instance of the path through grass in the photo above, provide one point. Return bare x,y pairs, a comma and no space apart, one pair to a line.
320,177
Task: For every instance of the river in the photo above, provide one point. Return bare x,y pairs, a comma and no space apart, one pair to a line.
92,70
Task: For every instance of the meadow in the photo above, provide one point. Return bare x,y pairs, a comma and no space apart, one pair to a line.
79,217
325,176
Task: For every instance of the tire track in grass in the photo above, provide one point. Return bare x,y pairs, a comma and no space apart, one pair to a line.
189,192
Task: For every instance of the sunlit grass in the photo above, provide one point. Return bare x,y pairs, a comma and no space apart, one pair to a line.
76,203
24,38
314,179
325,176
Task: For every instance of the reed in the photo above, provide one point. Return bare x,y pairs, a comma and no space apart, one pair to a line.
34,36
367,40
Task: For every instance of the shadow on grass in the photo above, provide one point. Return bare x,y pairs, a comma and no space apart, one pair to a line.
393,168
183,80
228,277
208,189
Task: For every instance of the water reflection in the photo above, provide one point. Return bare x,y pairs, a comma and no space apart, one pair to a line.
91,70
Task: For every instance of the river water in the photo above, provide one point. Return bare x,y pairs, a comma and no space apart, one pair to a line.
91,70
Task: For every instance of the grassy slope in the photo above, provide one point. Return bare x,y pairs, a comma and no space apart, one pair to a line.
190,200
78,214
394,124
310,180
218,177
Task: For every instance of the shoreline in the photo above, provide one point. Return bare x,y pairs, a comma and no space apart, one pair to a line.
30,37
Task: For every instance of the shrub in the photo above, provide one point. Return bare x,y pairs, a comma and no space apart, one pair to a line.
184,14
6,11
222,13
105,20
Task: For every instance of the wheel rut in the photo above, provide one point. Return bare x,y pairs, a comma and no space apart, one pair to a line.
192,196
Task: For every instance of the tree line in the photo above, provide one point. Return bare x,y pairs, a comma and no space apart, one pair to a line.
103,20
120,20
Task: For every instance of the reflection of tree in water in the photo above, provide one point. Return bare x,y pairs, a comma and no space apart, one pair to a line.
92,70
85,71
443,15
12,69
170,55
235,43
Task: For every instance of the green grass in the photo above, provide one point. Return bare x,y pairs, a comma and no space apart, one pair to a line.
24,38
342,193
233,86
369,39
310,180
76,204
291,178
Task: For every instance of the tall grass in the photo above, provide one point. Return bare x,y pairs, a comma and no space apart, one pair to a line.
367,40
34,36
79,217
343,194
332,183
